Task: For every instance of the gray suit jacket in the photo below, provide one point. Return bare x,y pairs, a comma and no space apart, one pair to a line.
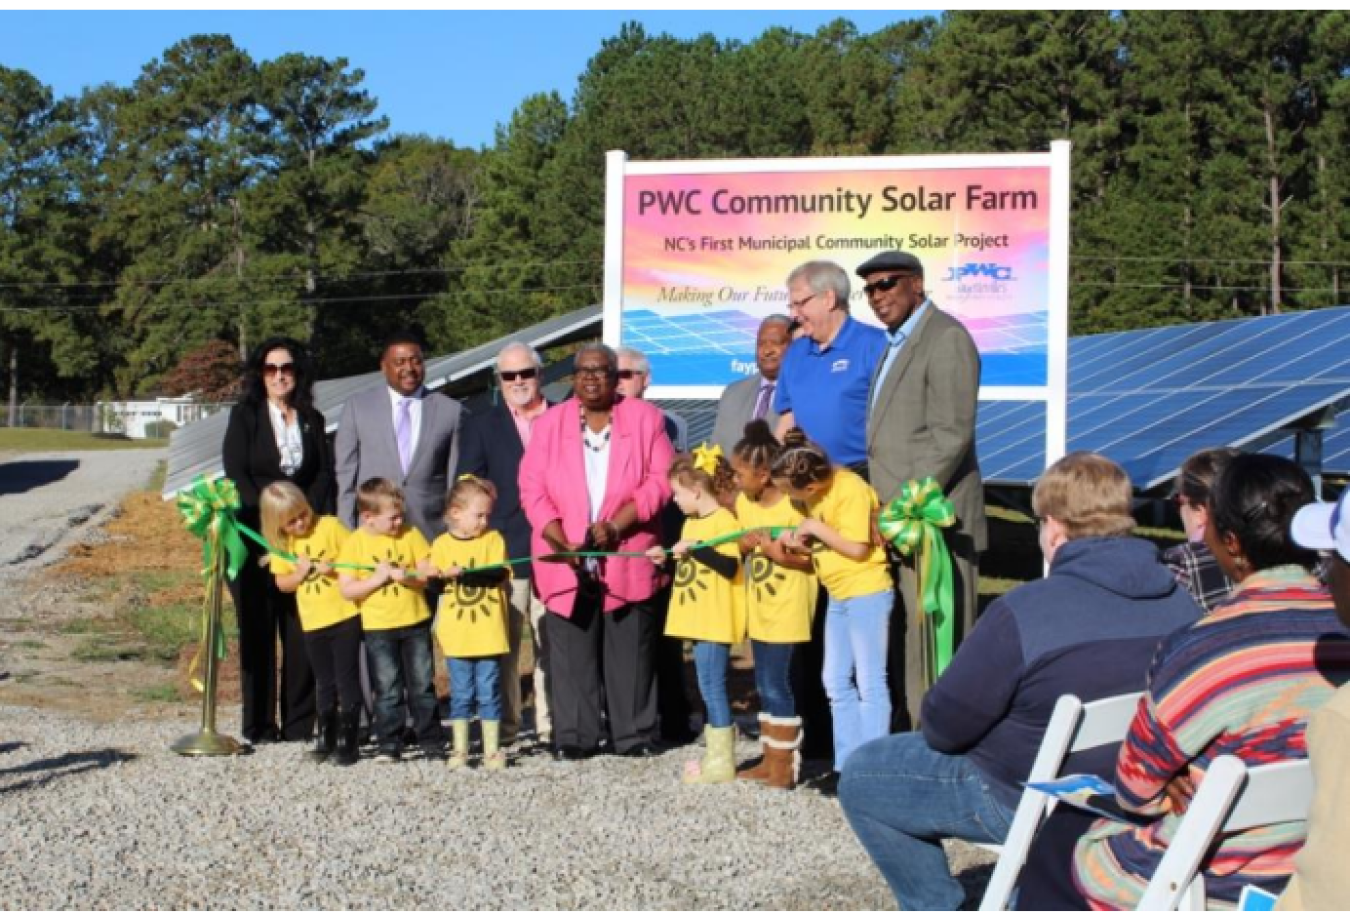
365,448
923,423
735,409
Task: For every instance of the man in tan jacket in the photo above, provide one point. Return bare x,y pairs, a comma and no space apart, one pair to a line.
1321,878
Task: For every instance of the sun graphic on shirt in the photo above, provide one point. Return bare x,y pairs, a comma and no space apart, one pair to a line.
391,558
471,599
315,584
689,582
766,578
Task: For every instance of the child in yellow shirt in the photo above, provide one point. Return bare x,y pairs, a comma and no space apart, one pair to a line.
781,592
853,571
394,617
705,603
331,624
471,617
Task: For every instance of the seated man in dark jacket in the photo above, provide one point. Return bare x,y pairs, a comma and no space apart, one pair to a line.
1089,628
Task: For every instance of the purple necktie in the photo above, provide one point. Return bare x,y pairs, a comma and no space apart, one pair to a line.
762,401
403,433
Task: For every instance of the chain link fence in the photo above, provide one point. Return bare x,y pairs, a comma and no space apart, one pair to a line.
145,419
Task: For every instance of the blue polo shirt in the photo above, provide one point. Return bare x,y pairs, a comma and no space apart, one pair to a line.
825,389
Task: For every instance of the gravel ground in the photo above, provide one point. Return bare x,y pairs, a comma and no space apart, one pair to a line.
49,500
105,816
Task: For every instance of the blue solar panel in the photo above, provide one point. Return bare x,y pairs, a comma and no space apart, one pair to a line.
1150,398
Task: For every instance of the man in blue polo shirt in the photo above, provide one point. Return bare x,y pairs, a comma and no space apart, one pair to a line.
825,376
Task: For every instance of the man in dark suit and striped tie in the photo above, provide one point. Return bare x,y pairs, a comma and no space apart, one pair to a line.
753,398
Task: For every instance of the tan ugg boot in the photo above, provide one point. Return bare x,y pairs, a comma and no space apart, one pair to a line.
784,760
493,756
459,751
719,757
760,769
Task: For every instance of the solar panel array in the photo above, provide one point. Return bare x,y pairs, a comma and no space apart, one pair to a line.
1150,398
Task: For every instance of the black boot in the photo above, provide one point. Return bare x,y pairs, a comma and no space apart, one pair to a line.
325,739
348,738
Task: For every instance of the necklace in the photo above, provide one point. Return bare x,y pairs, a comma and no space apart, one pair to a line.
595,441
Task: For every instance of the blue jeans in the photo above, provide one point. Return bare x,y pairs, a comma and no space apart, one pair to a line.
773,680
400,660
710,662
901,798
857,630
475,680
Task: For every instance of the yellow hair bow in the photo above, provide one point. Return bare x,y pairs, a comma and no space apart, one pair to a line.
705,457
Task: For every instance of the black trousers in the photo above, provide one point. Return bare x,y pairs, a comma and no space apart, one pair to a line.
808,689
617,648
672,698
335,656
265,613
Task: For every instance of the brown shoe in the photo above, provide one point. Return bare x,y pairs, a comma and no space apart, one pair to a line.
780,751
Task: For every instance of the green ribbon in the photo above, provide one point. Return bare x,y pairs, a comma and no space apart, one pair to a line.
913,523
207,509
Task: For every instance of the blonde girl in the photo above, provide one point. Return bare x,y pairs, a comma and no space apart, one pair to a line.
471,618
331,624
838,530
706,605
781,600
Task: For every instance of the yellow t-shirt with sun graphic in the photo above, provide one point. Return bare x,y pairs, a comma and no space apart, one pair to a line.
318,600
704,605
392,605
470,620
847,508
781,601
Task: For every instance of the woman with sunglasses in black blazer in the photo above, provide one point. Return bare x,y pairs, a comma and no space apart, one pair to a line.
275,433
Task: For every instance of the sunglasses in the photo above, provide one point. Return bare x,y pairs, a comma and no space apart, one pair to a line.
883,285
525,374
629,373
272,370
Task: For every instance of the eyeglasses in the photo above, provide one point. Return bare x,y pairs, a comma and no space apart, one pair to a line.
526,374
798,305
884,285
593,371
272,370
629,373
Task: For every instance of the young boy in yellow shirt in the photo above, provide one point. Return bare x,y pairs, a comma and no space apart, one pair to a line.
394,617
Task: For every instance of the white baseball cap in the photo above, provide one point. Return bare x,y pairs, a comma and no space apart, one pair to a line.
1324,527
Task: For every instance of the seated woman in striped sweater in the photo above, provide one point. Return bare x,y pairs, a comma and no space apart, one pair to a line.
1243,680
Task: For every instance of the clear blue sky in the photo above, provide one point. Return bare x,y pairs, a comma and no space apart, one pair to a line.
450,74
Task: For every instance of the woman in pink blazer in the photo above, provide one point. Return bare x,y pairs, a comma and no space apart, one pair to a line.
593,478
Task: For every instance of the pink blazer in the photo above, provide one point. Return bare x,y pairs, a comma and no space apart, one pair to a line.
553,487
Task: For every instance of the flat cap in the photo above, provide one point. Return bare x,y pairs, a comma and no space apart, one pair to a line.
889,260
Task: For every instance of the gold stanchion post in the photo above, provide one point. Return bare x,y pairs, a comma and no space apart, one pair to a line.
208,742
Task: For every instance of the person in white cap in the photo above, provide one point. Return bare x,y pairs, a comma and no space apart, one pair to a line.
1321,878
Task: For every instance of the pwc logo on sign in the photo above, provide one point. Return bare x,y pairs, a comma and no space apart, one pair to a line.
980,280
977,272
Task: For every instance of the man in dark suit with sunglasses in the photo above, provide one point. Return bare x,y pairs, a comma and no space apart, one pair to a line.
921,422
494,443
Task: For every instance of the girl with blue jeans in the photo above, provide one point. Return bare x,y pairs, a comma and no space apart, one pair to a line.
706,605
853,570
781,596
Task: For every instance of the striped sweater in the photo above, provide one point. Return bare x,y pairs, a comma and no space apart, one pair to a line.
1243,680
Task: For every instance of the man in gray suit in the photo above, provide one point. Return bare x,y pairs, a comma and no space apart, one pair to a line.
753,397
402,433
921,422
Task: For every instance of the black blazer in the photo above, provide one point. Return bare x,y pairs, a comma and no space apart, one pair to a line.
252,461
491,449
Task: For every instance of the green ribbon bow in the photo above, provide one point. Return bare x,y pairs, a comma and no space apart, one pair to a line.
207,509
913,523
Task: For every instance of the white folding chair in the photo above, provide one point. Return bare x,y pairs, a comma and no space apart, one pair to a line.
1073,727
1231,798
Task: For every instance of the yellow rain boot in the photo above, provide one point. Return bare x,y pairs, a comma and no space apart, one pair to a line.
493,756
459,751
719,757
